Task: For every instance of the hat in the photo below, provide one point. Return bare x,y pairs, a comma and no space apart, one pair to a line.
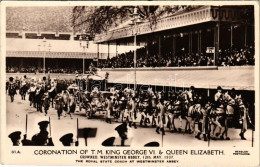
43,124
219,88
192,87
11,79
15,135
67,137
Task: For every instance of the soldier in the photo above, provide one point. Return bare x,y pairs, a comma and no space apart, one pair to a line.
191,94
122,131
15,138
31,92
108,106
67,140
218,97
131,107
116,108
244,116
161,117
144,113
46,102
42,138
59,104
72,103
11,88
65,97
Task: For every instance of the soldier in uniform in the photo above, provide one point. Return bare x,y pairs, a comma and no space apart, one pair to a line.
59,104
131,107
122,131
65,97
218,97
11,88
244,118
116,108
72,103
42,138
67,140
15,138
161,117
31,92
46,102
108,106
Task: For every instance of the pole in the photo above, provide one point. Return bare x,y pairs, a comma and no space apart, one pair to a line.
26,124
77,129
50,125
44,62
97,53
231,37
83,68
135,58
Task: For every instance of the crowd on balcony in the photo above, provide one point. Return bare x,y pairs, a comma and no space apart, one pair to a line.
32,69
227,57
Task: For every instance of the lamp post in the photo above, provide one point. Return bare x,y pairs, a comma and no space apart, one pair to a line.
134,21
84,46
44,42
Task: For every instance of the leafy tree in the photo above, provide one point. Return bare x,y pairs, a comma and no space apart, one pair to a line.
98,19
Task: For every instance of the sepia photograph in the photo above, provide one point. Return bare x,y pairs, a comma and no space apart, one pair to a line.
129,76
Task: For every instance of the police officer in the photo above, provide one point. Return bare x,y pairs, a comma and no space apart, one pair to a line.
42,138
122,131
15,138
67,140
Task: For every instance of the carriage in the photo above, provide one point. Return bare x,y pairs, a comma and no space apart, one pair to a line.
94,103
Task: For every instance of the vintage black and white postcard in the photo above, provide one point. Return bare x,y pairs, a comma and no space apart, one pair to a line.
130,83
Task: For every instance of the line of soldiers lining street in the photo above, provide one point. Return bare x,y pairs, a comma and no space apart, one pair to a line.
146,108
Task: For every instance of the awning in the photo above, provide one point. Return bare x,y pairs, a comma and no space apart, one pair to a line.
240,78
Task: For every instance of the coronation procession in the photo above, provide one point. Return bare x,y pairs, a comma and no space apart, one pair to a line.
146,76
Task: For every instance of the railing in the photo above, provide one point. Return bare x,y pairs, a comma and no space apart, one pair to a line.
200,15
40,54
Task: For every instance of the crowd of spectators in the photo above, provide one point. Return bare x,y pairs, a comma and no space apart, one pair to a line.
236,57
31,69
227,57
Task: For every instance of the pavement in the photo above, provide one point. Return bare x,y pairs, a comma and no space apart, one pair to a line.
16,118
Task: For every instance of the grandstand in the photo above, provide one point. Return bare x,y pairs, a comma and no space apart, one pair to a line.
173,44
